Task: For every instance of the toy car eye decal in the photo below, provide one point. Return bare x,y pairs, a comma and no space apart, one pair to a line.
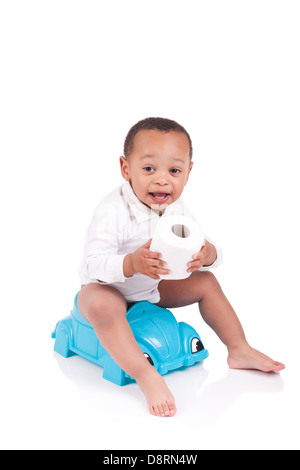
149,358
196,345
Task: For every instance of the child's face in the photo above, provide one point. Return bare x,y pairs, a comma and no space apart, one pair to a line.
158,167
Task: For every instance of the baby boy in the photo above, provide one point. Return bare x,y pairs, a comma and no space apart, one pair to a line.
119,269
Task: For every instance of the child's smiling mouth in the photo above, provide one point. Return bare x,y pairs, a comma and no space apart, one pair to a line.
159,197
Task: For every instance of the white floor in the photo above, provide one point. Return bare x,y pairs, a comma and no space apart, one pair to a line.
49,402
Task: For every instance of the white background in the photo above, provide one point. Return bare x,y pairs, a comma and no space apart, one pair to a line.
75,76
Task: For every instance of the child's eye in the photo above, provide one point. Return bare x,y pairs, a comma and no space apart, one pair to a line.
148,168
175,171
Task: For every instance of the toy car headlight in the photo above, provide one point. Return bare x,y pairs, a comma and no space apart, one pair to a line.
149,358
196,345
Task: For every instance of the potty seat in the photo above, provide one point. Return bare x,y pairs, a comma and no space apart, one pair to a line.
166,344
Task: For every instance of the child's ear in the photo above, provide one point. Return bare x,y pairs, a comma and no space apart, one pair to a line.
191,166
124,168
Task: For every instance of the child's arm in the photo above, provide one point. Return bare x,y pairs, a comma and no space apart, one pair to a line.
144,261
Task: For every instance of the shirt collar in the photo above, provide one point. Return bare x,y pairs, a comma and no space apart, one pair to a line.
142,212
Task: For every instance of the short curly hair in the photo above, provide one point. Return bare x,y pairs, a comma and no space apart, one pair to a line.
154,123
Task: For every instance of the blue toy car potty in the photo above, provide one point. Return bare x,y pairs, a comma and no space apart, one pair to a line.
166,344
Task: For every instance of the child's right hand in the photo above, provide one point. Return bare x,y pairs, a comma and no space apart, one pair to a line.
144,261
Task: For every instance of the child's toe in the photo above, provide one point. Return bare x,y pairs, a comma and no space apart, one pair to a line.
166,409
172,409
278,366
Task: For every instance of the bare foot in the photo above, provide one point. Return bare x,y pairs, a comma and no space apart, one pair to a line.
249,358
159,398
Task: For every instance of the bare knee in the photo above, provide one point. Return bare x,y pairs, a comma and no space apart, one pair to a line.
105,309
207,281
104,314
206,276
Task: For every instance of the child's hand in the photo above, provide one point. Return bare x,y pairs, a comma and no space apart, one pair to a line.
144,261
205,257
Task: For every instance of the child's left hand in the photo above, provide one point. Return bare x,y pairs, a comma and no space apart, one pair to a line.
205,257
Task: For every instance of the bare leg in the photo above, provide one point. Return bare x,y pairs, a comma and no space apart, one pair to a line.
202,287
105,308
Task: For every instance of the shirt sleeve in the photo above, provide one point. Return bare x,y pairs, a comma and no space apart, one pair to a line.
101,260
106,268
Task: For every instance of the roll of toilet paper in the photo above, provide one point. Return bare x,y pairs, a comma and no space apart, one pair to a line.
177,238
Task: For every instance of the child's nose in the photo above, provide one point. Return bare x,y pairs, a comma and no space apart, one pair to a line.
161,178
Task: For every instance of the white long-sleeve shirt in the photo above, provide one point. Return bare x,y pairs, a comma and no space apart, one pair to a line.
120,225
